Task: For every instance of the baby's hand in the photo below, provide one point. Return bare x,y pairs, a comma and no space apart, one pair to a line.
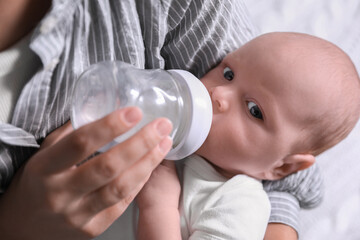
162,189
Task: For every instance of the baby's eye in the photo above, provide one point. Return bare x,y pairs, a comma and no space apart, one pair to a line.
228,74
254,110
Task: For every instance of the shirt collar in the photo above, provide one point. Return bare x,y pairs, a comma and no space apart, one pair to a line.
48,37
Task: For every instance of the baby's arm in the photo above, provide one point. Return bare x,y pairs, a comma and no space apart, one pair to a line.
280,231
158,205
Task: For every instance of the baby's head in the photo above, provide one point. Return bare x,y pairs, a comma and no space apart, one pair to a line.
279,101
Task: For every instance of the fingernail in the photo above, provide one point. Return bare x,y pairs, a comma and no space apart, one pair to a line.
132,115
163,127
165,145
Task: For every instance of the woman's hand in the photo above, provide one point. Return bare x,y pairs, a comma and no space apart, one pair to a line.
55,197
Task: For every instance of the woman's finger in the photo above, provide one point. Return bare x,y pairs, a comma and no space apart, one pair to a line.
57,135
102,221
83,142
124,188
107,166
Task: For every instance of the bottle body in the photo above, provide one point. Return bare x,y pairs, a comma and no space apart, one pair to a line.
108,86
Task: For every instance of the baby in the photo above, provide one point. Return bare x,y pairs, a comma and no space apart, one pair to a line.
278,101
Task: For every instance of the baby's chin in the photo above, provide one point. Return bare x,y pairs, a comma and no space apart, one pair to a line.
203,150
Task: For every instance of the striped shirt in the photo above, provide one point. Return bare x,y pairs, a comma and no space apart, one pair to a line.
167,34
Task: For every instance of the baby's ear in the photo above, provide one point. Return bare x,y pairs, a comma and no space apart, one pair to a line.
293,163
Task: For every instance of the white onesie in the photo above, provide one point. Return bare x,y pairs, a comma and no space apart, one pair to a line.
213,207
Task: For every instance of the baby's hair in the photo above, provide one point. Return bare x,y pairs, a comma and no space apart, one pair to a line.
330,132
328,128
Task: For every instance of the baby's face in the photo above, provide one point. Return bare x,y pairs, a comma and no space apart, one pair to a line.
259,103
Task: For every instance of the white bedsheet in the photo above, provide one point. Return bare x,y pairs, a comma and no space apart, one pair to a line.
339,22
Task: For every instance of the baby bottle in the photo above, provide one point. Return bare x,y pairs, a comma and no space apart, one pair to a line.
175,94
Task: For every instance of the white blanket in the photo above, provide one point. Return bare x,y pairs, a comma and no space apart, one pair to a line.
337,21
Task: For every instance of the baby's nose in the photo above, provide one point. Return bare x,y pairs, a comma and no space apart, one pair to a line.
220,99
